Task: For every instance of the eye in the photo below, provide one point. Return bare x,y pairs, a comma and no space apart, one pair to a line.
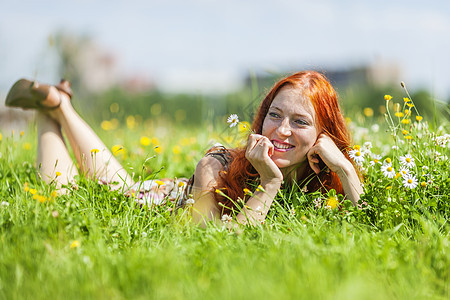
274,115
301,122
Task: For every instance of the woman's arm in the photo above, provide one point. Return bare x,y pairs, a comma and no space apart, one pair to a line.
336,161
256,207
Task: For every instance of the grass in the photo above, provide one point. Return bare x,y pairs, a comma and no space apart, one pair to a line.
97,244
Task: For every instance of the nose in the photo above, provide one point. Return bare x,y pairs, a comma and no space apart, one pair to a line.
285,128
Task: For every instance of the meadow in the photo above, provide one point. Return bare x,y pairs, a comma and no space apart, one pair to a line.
94,243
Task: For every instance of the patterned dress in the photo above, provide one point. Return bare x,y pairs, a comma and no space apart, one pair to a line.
176,190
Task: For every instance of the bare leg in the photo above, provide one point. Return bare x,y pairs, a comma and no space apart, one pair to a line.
52,155
82,138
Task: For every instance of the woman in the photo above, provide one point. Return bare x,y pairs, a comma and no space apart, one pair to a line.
299,136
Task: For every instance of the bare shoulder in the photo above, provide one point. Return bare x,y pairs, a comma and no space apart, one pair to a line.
207,170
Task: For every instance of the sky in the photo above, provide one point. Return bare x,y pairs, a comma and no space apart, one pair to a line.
209,45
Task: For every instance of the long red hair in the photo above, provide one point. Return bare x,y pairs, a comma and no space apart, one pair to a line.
240,173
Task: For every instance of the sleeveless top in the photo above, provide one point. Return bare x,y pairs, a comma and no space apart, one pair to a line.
176,190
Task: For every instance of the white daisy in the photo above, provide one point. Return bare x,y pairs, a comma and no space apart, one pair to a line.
226,218
388,170
410,181
404,171
376,159
233,120
357,156
407,160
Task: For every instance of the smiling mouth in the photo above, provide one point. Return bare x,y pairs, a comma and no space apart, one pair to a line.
279,146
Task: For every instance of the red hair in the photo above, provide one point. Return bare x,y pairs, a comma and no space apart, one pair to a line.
240,173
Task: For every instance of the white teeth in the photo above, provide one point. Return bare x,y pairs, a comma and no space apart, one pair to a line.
281,146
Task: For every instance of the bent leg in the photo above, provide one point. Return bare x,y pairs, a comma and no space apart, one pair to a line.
52,156
82,138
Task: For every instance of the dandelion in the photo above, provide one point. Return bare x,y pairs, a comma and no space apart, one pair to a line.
407,112
27,146
93,151
419,118
405,121
387,97
247,191
260,189
399,114
408,137
332,203
176,149
41,198
159,182
357,156
406,99
226,218
410,181
388,171
368,112
181,184
410,104
423,184
233,120
117,150
58,174
33,191
388,187
158,149
407,161
145,141
405,132
75,244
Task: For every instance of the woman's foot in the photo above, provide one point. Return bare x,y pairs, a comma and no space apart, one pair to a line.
28,94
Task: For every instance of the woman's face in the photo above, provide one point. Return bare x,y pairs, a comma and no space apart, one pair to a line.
290,125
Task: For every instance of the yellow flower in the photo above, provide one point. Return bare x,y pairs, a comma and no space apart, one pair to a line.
145,141
33,191
405,121
106,125
388,160
93,151
21,133
244,127
389,187
158,149
410,104
0,136
406,99
247,191
387,97
131,122
41,198
155,141
399,114
58,173
117,150
159,182
260,189
348,120
332,202
397,175
26,188
408,137
407,112
356,147
35,196
423,184
181,184
27,146
405,132
54,194
419,118
368,112
176,149
75,244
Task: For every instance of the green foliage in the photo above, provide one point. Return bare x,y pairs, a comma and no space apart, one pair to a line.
96,243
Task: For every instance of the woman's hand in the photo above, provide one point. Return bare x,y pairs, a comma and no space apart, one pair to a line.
326,149
258,152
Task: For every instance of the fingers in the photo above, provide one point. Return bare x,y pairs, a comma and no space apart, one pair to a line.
313,160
